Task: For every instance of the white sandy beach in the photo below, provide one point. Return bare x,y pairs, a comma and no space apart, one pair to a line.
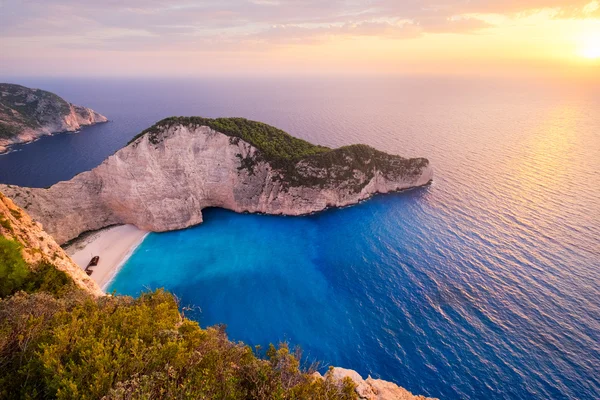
113,245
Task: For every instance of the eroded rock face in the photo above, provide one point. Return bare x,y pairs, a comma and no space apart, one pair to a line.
162,183
38,245
26,114
373,389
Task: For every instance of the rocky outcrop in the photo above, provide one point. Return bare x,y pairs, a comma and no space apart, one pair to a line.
371,389
26,114
38,246
163,179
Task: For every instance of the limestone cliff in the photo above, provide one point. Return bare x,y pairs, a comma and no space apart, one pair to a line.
26,114
38,246
164,178
372,389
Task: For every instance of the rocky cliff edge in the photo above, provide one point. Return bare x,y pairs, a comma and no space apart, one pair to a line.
164,178
37,245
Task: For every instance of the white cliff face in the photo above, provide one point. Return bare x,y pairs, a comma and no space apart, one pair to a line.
164,185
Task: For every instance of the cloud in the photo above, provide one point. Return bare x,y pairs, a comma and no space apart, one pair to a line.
138,24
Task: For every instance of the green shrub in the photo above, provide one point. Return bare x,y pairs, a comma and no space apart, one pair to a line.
274,143
46,278
78,347
16,275
14,272
295,159
5,223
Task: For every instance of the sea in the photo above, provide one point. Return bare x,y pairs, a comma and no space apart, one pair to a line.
483,285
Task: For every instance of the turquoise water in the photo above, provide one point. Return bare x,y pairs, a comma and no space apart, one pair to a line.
485,285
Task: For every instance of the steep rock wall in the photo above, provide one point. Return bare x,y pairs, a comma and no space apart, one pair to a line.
162,183
38,246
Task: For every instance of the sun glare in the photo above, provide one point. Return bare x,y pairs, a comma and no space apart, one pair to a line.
591,47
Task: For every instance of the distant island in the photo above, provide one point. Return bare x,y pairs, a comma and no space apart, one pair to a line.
165,176
26,114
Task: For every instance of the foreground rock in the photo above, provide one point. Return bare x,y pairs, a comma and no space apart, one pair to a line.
372,389
164,178
26,114
38,246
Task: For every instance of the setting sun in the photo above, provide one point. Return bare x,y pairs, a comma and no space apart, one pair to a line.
591,47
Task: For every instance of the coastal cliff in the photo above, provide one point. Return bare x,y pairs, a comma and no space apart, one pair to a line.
164,178
371,389
37,246
26,114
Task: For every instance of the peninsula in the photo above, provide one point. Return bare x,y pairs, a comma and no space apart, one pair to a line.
26,114
165,176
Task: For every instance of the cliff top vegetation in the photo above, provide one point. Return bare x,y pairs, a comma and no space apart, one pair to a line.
22,107
274,143
57,341
296,159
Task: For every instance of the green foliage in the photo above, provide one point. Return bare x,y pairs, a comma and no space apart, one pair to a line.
13,269
7,131
5,223
274,143
22,107
16,275
46,278
77,347
297,160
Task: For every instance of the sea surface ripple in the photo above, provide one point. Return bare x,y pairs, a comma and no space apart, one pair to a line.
484,285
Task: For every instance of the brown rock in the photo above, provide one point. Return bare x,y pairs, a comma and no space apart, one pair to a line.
38,245
373,389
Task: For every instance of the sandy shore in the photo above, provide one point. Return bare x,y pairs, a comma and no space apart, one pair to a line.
113,245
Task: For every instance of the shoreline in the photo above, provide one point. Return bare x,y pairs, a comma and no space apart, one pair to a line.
7,148
114,245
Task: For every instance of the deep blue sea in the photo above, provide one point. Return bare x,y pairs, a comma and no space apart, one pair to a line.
484,285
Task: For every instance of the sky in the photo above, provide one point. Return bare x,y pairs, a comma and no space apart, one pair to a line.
246,37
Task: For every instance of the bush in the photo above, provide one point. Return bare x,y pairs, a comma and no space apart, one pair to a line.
298,162
274,143
56,341
123,348
13,269
16,275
